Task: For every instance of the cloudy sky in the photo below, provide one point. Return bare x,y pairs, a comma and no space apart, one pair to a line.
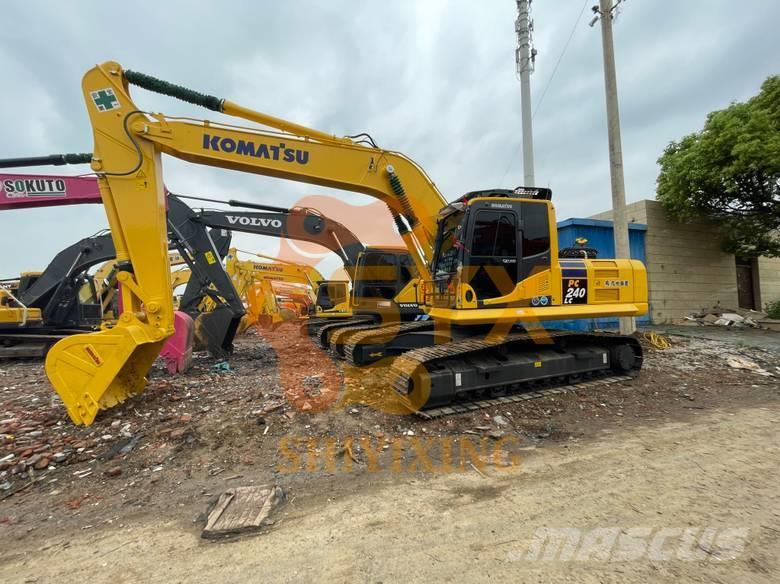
434,79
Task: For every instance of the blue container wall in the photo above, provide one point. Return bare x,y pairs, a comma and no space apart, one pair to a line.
600,237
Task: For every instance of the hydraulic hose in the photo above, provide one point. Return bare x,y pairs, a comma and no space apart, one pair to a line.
172,90
400,192
51,160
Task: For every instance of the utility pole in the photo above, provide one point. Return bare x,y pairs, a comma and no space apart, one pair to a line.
525,56
605,12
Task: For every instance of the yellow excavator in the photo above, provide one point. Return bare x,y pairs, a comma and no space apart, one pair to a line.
488,260
254,283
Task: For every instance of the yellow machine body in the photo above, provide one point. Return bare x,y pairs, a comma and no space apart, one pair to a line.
612,287
12,313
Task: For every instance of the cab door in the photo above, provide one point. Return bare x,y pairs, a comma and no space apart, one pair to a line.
535,242
490,267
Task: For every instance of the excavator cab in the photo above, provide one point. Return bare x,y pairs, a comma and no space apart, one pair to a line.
386,284
488,242
333,298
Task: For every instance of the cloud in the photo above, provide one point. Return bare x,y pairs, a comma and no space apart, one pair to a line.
434,80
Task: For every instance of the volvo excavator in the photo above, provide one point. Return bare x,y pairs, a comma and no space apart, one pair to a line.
384,281
488,261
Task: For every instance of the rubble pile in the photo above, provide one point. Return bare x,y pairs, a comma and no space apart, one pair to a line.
36,435
707,355
727,317
215,420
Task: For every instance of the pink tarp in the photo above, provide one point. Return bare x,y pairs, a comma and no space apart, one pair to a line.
177,351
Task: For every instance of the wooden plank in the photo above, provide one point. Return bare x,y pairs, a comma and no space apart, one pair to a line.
243,509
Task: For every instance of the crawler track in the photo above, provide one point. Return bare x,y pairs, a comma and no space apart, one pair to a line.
477,369
462,408
375,336
321,328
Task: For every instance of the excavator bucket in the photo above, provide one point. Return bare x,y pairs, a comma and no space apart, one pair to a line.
96,371
215,330
246,322
177,351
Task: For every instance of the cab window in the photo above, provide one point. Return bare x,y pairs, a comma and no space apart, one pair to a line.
536,229
494,234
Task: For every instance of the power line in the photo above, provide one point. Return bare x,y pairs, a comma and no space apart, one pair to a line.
560,58
547,86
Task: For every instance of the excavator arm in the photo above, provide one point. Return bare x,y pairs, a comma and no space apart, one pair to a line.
55,292
214,329
286,150
298,223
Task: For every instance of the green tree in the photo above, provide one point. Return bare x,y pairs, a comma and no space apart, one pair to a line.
729,173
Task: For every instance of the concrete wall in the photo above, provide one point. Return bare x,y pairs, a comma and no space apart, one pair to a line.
769,278
686,268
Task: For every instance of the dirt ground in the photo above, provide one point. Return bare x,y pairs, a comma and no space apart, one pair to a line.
681,462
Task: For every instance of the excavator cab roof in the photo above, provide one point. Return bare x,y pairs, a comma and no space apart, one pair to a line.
459,204
539,193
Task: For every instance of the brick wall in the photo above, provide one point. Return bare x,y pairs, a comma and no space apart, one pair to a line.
686,268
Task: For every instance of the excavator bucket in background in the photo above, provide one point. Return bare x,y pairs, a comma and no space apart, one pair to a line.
262,306
177,351
215,331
